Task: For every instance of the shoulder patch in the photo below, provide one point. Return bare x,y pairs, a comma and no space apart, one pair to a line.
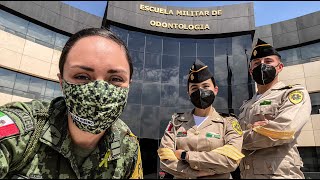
169,127
236,126
296,96
7,126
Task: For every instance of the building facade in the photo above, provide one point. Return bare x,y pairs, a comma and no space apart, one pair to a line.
163,42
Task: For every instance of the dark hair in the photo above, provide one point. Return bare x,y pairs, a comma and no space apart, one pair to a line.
212,79
91,32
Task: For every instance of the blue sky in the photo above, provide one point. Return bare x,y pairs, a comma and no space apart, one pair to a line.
265,12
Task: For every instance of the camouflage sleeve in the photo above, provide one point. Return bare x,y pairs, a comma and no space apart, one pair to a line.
16,126
224,159
293,114
132,158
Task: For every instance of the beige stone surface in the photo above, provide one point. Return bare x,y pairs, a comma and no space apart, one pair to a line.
313,84
35,66
306,138
38,51
5,98
292,72
315,119
11,41
10,58
312,69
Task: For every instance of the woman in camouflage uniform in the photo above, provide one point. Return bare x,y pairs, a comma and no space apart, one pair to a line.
79,135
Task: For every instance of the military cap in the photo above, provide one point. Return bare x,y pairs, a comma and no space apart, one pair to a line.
263,49
199,72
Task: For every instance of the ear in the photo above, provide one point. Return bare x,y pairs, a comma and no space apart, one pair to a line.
216,90
60,80
280,67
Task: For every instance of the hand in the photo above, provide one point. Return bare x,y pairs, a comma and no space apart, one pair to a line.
260,123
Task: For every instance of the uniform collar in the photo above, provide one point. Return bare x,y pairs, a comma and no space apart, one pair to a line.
212,117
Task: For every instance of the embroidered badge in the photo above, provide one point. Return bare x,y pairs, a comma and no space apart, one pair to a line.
182,134
296,97
191,77
255,52
236,126
213,135
7,126
169,127
265,102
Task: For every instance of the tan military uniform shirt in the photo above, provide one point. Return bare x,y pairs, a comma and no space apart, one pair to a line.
213,147
271,150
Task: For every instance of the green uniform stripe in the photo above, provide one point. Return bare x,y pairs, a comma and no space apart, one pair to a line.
2,114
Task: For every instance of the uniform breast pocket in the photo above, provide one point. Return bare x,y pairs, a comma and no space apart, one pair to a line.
268,111
213,142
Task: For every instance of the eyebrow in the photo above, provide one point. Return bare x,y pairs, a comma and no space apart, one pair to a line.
83,67
113,71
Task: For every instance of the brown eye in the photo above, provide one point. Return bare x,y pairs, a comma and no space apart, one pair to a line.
82,78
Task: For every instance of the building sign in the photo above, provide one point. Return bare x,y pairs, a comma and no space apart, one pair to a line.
180,13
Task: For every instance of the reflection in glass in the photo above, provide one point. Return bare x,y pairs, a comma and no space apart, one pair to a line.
184,99
310,51
185,64
37,87
221,100
135,93
121,33
205,48
165,117
188,47
291,56
136,41
170,69
170,46
7,78
150,122
41,33
60,41
222,46
169,95
131,116
153,44
14,23
151,94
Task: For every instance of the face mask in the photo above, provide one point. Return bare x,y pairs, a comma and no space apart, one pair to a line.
202,98
264,74
94,106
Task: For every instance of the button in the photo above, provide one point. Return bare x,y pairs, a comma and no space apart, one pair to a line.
195,167
247,166
182,117
197,133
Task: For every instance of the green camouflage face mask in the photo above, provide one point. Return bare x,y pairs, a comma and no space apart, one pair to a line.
94,106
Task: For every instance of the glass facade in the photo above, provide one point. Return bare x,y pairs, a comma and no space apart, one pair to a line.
159,86
315,102
18,84
300,55
28,30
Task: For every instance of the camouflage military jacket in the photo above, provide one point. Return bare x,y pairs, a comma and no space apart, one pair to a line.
116,156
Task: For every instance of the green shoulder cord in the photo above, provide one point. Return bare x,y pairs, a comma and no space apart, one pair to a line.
42,115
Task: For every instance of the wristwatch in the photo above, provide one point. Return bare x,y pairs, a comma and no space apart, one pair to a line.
183,155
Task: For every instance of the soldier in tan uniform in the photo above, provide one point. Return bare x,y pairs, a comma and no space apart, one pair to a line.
272,120
201,143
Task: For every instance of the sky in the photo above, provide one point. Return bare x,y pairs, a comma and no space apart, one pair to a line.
265,12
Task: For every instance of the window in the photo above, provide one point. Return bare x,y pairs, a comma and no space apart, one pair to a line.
315,102
13,24
41,35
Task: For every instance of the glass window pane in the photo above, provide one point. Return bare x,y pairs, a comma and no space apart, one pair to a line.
170,46
50,89
222,46
60,41
136,41
315,98
152,68
310,51
131,116
150,122
57,90
40,33
184,100
188,47
135,93
121,33
7,78
153,44
13,22
165,117
37,87
170,69
205,48
291,56
185,65
151,94
169,95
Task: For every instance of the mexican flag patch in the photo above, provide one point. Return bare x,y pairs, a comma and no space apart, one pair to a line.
7,126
